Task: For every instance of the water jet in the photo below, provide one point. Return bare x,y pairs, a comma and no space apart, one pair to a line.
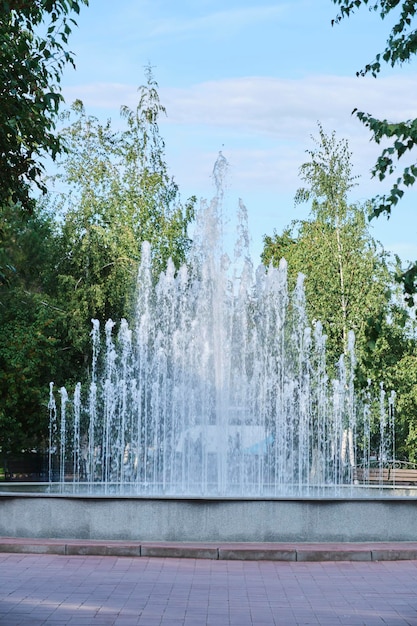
212,418
219,388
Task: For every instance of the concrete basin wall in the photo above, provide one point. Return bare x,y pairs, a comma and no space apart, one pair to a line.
191,519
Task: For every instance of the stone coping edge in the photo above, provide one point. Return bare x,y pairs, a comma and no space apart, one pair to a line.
383,551
372,494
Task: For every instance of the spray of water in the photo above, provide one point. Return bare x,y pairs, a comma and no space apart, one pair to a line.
218,388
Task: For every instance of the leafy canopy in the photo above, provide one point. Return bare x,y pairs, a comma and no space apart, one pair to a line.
76,257
350,285
346,275
115,192
400,46
402,40
33,52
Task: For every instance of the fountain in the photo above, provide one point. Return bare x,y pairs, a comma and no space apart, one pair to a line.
212,418
219,389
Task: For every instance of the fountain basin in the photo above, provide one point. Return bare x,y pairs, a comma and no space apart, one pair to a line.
373,516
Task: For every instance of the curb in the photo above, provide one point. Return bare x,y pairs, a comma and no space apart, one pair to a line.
301,552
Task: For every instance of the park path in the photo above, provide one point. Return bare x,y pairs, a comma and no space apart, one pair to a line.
50,589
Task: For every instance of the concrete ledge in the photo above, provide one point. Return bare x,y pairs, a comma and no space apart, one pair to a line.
340,554
401,554
180,550
383,551
23,547
98,549
208,521
257,552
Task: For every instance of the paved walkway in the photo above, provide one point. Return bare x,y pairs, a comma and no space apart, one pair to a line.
78,590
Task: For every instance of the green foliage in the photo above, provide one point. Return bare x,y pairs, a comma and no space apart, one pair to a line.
406,407
31,65
350,283
391,356
311,247
30,333
6,269
329,177
401,45
117,194
75,257
346,276
24,365
151,193
402,40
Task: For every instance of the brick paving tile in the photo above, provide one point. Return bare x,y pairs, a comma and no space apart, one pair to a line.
58,590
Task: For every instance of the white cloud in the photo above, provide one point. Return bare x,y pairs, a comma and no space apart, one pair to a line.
272,107
284,113
264,123
282,107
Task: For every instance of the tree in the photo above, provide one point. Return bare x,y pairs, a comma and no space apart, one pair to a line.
75,257
31,66
31,332
117,194
152,194
390,357
350,285
401,45
346,275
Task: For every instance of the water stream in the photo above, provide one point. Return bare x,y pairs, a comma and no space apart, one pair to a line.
218,387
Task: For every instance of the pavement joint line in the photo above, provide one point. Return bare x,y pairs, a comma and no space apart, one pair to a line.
302,552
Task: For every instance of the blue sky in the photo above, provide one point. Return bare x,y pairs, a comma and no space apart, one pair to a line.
250,78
